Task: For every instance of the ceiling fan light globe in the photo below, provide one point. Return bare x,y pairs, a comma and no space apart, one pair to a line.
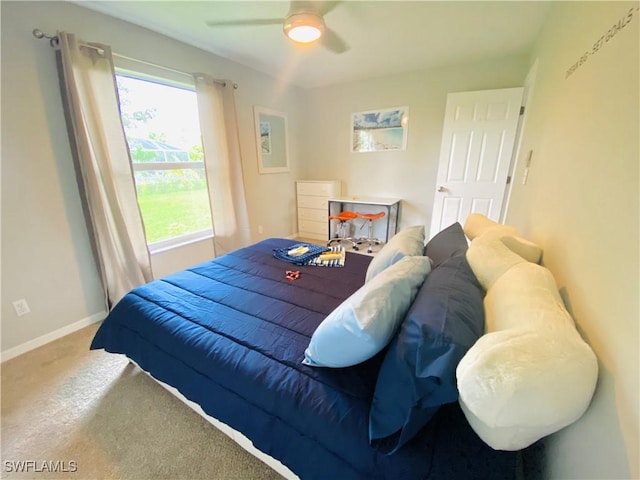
304,27
304,34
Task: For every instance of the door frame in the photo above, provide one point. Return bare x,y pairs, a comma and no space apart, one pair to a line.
529,84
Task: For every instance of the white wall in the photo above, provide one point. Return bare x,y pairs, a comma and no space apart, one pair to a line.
46,254
581,204
410,174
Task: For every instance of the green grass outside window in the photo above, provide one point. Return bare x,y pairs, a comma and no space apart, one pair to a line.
173,213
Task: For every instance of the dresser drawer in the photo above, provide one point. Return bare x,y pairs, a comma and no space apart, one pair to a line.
326,189
308,201
313,207
314,215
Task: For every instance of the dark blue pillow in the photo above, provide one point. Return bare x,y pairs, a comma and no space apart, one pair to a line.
418,373
446,243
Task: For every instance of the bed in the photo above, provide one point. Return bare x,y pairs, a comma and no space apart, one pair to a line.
230,335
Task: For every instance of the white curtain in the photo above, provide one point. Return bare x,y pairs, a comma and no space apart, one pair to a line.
103,163
223,163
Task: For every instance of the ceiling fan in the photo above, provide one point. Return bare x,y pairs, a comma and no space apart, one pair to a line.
304,23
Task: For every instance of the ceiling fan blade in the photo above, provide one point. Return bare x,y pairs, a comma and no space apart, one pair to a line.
333,41
326,7
241,23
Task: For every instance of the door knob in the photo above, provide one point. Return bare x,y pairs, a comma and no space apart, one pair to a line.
442,189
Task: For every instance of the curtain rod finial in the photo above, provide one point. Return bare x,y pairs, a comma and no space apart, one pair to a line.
39,34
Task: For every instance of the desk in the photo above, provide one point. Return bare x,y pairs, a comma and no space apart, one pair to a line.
391,206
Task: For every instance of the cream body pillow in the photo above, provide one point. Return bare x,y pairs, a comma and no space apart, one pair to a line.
486,230
531,374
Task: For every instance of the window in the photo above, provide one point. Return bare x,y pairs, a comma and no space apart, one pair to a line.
163,132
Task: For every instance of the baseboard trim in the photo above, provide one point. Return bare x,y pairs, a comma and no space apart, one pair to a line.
50,337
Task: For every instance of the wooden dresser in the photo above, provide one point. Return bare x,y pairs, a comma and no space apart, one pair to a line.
313,211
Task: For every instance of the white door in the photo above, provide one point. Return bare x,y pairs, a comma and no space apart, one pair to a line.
477,146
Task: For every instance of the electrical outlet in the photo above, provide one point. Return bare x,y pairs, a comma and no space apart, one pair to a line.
260,229
21,307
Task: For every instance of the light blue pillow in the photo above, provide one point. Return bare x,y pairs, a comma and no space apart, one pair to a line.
365,323
407,242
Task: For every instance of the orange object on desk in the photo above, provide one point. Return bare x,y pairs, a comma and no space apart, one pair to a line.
371,216
369,239
344,216
342,231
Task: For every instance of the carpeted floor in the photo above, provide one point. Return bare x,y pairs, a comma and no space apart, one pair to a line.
95,416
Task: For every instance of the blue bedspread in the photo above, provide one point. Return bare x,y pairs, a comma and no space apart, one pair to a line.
230,335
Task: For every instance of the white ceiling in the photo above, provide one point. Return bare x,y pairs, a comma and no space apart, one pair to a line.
385,37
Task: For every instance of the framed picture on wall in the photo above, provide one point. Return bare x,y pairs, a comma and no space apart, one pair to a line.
271,140
379,130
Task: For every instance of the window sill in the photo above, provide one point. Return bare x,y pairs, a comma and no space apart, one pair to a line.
179,242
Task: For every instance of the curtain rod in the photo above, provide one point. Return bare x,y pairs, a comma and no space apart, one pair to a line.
53,41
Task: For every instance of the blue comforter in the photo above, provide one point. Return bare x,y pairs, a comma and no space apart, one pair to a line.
230,335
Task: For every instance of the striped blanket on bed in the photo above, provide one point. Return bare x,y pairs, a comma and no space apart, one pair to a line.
314,255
